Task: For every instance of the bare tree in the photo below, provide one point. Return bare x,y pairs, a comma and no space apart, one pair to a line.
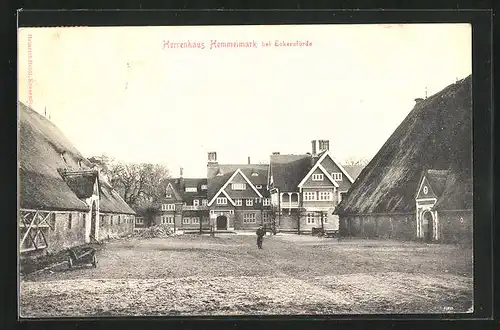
356,161
141,185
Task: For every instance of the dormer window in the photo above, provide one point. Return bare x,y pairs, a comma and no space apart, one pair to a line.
259,186
169,195
255,174
203,187
219,174
191,189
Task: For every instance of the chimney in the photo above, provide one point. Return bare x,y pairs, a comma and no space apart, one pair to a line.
276,153
324,145
313,142
212,158
180,172
419,99
248,160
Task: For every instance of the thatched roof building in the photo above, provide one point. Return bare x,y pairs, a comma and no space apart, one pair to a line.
436,135
53,175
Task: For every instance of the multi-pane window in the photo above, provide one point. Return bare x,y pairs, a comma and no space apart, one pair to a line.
196,202
317,177
191,189
337,176
249,217
238,202
310,218
238,186
139,221
310,196
195,220
205,220
221,200
325,195
165,219
265,217
204,202
249,202
266,202
185,221
203,187
168,207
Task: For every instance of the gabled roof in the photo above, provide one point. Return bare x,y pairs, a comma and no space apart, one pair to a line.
216,183
436,134
81,182
436,178
328,176
288,170
41,185
179,185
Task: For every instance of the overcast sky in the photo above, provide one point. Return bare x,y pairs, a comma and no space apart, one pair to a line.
117,91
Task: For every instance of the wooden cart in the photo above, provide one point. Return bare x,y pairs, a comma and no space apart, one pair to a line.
86,256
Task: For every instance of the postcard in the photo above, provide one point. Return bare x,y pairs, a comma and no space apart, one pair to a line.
245,170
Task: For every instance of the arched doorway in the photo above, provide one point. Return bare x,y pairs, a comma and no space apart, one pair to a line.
428,226
221,222
93,221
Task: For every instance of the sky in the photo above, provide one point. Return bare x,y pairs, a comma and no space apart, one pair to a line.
118,91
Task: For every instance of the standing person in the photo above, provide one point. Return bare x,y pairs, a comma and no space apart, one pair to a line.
260,236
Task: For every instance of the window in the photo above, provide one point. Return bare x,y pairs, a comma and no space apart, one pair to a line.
191,189
168,207
337,176
195,220
343,195
111,220
248,217
185,221
196,202
310,196
167,219
266,202
310,218
259,186
249,202
204,202
325,196
231,211
221,200
205,220
101,220
255,174
169,195
139,221
84,216
238,186
70,219
238,202
203,187
317,177
119,219
265,217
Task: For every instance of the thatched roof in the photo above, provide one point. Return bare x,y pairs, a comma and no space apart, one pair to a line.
456,195
437,134
44,152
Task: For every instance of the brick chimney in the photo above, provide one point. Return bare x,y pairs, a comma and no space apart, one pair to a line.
313,143
275,153
180,172
248,160
212,158
419,99
323,145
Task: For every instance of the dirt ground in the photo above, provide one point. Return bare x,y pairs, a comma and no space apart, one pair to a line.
228,275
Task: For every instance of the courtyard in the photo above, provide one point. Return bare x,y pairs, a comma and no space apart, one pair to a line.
228,275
